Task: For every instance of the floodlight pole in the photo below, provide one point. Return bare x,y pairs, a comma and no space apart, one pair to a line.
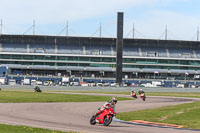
67,29
100,28
133,31
33,27
166,33
1,27
198,33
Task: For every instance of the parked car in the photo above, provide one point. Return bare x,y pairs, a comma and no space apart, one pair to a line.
194,86
84,84
38,82
113,84
181,85
48,83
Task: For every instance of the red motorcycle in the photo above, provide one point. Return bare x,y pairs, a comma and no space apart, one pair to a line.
143,96
104,118
134,95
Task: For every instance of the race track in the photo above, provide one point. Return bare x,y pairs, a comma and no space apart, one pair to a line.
75,116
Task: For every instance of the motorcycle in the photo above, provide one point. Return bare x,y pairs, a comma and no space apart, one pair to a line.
143,96
104,118
37,89
133,94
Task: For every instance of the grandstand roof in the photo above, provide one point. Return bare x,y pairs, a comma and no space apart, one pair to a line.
47,39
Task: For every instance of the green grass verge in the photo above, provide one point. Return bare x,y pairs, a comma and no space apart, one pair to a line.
175,94
23,129
100,92
172,94
184,114
22,97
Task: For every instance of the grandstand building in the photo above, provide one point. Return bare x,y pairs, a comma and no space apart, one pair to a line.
96,57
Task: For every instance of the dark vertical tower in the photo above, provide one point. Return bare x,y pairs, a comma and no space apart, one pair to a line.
119,47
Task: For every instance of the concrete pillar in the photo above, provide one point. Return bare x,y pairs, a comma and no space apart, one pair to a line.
119,48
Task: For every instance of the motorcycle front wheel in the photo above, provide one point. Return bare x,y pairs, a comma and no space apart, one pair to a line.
107,120
93,120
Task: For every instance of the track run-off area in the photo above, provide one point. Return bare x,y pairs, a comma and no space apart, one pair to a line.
75,116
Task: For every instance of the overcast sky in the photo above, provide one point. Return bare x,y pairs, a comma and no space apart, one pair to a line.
150,17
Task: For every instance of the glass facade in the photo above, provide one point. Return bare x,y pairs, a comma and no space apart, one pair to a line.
128,62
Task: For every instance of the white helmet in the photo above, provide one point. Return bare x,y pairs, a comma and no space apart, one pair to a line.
114,99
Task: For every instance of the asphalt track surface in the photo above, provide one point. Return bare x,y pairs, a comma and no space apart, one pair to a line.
73,116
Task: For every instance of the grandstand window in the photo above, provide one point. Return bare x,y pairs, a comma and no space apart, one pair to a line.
141,67
84,59
61,64
162,61
76,58
26,63
17,62
29,57
184,62
128,66
107,60
62,58
16,56
140,60
73,58
39,57
195,68
38,63
50,63
173,67
173,62
194,62
7,62
5,56
96,59
128,60
99,65
151,62
48,57
184,68
71,64
84,64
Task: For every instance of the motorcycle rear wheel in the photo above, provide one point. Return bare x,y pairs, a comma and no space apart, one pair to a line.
107,120
93,120
144,98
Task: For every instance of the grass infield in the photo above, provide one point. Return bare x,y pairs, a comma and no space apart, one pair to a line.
26,97
23,129
184,114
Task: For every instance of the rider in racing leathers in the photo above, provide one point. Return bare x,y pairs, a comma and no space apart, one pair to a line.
132,92
141,91
110,103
